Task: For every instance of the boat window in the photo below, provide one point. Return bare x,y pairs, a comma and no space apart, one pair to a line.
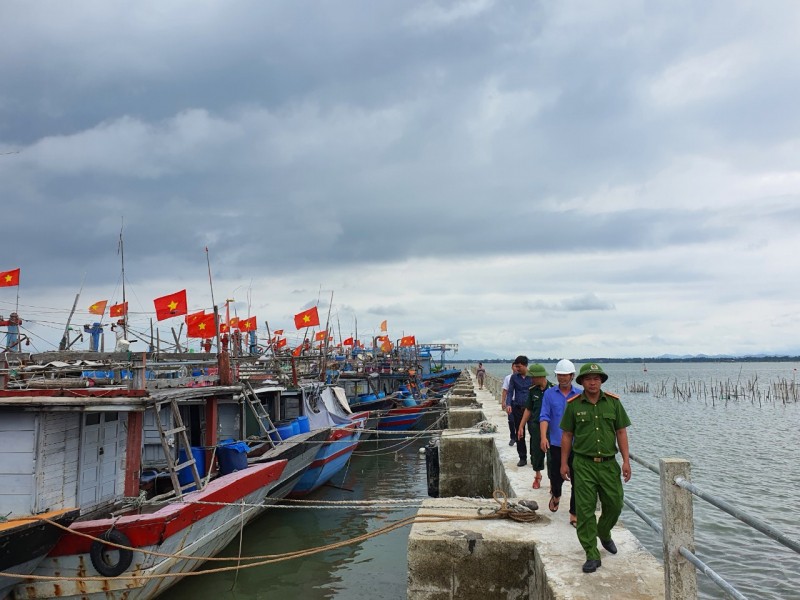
111,416
92,418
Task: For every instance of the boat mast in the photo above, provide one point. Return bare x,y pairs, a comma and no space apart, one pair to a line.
121,252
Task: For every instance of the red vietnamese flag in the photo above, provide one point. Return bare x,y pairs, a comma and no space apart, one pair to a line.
9,278
278,332
386,347
307,318
171,305
281,343
192,318
348,342
224,328
383,326
118,310
201,327
248,324
234,322
408,340
98,308
382,338
298,350
320,335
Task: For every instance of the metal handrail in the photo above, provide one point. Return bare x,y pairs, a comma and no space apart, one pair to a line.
711,574
755,523
721,504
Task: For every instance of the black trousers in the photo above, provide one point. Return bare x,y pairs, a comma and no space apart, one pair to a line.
522,448
556,480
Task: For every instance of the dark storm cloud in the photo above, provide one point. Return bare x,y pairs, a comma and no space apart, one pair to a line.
297,136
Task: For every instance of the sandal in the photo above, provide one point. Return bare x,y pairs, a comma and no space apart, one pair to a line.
537,482
554,502
573,521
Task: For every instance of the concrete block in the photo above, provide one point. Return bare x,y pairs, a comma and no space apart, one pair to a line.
461,400
462,418
466,465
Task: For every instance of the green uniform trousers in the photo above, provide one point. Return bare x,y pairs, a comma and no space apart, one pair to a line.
593,479
537,456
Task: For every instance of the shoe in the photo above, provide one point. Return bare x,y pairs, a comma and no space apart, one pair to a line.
609,545
573,521
512,442
522,462
590,566
554,502
537,482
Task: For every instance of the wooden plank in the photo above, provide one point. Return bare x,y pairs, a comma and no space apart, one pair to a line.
16,442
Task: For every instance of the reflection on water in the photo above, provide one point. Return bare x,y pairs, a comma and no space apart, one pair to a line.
739,451
375,569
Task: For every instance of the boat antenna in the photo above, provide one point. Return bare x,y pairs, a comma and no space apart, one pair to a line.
214,304
121,252
324,368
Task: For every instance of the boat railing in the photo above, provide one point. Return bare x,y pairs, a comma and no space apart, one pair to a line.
677,528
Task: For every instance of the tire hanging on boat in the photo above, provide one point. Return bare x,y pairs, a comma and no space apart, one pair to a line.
99,559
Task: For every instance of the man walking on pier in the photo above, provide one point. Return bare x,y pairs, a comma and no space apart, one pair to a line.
594,424
517,396
539,384
554,402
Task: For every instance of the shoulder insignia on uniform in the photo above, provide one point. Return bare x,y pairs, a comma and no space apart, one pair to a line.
573,398
615,396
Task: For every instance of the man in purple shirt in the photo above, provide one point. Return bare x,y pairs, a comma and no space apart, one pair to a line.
554,402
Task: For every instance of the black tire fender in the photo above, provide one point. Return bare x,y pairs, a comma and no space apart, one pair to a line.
99,559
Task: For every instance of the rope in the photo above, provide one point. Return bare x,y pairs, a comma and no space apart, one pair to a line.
517,513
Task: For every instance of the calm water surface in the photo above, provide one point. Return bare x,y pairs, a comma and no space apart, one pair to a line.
740,451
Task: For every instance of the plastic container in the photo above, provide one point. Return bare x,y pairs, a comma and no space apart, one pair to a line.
285,431
302,423
185,474
232,457
295,427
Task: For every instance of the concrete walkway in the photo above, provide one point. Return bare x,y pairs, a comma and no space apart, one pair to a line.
504,559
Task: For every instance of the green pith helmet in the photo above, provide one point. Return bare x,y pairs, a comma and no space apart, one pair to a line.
591,369
537,370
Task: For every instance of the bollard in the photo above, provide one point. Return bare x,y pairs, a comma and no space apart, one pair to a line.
677,521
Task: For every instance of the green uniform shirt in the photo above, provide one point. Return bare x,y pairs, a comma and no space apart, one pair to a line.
534,403
594,426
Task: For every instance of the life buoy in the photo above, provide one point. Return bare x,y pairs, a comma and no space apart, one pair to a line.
99,556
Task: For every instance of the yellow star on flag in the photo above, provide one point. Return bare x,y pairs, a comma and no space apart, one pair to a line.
173,305
8,278
306,318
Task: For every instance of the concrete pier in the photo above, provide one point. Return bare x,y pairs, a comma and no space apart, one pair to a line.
502,558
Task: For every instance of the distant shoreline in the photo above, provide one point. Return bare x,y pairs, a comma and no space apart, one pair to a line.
695,359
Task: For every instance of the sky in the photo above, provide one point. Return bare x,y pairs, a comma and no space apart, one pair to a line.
552,178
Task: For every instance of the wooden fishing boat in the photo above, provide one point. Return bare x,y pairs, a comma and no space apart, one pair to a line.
24,542
158,547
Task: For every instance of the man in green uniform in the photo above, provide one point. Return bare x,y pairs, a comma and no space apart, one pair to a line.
533,406
594,424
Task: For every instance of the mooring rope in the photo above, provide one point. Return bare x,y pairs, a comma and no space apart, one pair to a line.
516,513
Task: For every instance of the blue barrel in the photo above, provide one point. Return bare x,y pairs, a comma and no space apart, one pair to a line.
302,422
185,474
232,457
295,427
285,431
